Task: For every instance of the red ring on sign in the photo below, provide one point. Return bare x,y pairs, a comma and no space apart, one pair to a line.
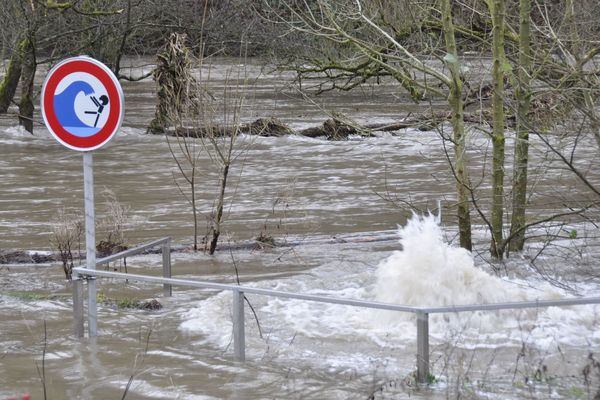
114,116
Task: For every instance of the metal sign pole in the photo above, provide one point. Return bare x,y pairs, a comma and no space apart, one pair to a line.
90,240
59,100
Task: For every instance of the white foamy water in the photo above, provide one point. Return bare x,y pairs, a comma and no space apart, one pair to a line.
426,271
430,272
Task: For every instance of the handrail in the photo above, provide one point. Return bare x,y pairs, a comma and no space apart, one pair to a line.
133,251
78,308
340,300
239,291
512,305
248,289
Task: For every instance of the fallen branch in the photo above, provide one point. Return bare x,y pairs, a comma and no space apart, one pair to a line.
331,129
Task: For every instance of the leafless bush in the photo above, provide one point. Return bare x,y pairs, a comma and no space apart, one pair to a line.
67,232
113,225
117,217
591,377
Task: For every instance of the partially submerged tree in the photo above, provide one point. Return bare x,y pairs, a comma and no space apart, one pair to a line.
521,152
22,63
499,66
366,40
8,85
174,83
196,121
223,150
175,91
355,42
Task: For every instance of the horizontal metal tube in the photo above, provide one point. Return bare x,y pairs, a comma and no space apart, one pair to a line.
131,252
337,300
512,305
247,289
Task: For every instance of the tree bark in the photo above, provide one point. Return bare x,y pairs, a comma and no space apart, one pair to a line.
26,106
523,93
8,86
498,139
458,126
219,213
192,182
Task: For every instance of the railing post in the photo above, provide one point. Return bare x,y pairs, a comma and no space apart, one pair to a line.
77,283
239,336
422,347
166,261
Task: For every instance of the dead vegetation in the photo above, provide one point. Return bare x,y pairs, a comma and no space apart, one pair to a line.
330,129
67,234
113,225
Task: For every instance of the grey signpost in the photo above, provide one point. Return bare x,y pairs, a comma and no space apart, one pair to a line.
83,106
90,239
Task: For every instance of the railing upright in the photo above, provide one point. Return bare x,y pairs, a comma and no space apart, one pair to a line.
77,286
422,347
166,261
239,335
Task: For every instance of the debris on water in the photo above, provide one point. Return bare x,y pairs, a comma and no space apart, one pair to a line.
106,248
264,240
151,305
25,257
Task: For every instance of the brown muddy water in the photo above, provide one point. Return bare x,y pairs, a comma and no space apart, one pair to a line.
324,196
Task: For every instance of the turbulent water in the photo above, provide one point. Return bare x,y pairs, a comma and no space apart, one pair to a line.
331,201
426,271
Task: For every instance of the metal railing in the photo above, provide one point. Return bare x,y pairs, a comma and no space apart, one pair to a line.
78,279
239,292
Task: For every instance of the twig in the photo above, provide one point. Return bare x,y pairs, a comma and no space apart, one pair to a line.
42,373
136,373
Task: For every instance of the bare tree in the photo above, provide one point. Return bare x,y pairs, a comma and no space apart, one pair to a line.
175,101
222,149
210,125
498,67
372,39
521,153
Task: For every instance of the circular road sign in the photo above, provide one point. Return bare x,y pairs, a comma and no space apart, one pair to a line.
82,103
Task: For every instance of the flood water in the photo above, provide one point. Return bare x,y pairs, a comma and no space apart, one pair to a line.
329,200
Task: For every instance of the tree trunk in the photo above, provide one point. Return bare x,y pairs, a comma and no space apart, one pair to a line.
26,107
125,35
574,41
219,214
523,93
498,140
458,126
194,206
8,86
590,108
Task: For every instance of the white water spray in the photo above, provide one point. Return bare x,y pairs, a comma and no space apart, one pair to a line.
430,272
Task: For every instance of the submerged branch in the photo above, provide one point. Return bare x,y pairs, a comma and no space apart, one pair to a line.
331,129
